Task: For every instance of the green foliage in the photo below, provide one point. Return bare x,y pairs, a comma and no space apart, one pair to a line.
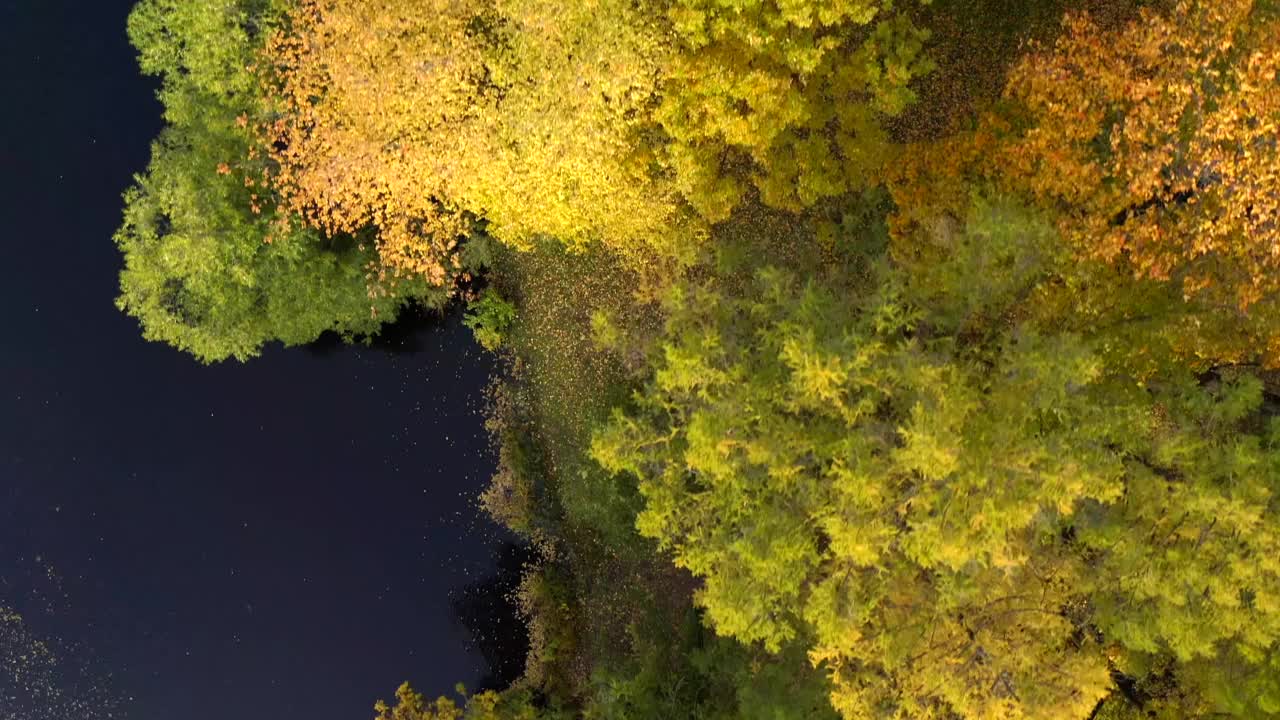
489,705
202,51
982,267
784,96
199,276
489,317
948,512
686,674
209,267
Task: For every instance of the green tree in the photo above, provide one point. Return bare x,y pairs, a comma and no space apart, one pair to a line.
718,679
202,53
210,267
970,518
490,316
488,705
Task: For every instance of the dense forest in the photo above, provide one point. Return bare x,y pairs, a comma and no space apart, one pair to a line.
863,359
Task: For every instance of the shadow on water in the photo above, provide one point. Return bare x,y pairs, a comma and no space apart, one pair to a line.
406,336
490,612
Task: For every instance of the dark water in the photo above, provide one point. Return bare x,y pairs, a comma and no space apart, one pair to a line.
285,539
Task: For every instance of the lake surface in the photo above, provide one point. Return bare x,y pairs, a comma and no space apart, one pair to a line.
282,539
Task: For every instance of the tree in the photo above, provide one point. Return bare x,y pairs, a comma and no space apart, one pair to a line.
1170,158
199,276
212,266
581,121
783,96
201,52
489,317
701,677
488,705
415,115
1153,145
969,517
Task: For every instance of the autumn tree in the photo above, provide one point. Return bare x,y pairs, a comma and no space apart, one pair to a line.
1161,141
199,272
1154,147
582,121
966,517
415,116
785,97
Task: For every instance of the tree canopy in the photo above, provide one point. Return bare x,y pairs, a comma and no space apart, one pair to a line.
966,420
587,121
965,523
1153,147
212,265
412,116
785,97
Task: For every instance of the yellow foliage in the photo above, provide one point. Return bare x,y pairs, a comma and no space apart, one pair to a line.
784,95
416,115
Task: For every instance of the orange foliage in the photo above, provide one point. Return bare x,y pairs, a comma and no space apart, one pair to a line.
415,116
1154,147
341,165
1159,144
